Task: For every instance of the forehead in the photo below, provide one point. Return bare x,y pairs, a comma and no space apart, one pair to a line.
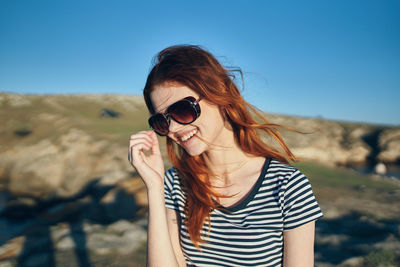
166,94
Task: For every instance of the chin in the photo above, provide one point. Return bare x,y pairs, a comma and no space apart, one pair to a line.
194,151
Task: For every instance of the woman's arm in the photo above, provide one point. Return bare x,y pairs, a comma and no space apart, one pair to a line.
298,250
150,166
163,248
173,226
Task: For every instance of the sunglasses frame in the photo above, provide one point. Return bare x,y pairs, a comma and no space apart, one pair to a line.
167,115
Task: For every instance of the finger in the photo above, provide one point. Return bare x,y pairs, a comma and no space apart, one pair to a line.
140,135
140,146
135,149
137,156
138,140
142,132
155,145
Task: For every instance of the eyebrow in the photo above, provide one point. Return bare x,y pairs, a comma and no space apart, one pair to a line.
165,109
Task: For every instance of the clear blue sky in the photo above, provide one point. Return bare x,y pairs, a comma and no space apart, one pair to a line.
336,59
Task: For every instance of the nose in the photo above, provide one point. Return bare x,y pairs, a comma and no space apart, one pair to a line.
174,126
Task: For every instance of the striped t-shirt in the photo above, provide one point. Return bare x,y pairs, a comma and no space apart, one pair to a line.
251,232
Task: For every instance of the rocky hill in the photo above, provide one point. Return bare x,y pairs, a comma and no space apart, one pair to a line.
53,145
63,158
341,143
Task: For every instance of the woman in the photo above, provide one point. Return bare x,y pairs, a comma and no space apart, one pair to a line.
230,199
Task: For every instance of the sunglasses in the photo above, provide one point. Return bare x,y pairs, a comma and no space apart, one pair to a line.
184,111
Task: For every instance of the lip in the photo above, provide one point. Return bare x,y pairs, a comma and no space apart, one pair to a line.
182,134
187,142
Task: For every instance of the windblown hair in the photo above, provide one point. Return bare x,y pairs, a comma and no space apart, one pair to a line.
200,71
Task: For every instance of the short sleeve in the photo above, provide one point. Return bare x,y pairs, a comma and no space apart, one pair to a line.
169,177
300,205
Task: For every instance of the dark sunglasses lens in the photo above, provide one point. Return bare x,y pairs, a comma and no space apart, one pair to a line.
183,111
159,124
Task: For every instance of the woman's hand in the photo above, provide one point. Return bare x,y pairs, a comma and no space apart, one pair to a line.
150,167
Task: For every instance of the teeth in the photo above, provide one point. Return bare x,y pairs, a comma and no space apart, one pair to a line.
189,135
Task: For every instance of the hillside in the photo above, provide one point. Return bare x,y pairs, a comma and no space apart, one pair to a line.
75,138
63,164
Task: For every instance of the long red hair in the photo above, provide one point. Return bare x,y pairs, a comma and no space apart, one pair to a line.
199,70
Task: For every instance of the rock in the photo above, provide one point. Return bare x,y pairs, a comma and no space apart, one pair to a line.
126,102
109,113
325,141
37,259
112,177
42,242
6,264
61,168
22,132
16,100
36,176
389,144
20,208
117,204
136,187
120,226
91,227
108,241
4,198
59,231
333,239
331,212
391,243
65,243
380,168
61,211
12,248
354,261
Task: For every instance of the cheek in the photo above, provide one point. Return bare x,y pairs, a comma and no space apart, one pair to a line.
172,137
212,122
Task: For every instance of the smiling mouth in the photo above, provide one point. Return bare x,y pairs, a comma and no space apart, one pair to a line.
188,135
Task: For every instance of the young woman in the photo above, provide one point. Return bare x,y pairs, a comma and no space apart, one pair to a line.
230,198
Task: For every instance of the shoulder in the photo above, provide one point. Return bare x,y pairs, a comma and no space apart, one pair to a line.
174,194
172,172
281,170
171,178
285,175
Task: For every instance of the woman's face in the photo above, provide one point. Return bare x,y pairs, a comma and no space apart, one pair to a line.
208,126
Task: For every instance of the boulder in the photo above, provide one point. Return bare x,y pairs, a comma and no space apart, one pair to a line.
389,144
328,142
61,168
109,113
380,168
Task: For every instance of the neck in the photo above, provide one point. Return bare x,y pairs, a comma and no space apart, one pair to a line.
225,155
